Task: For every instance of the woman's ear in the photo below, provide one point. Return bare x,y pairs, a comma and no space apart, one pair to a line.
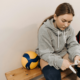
55,16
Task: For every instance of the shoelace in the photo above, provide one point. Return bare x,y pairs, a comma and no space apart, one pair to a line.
76,63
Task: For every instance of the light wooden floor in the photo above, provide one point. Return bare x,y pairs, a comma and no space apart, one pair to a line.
72,76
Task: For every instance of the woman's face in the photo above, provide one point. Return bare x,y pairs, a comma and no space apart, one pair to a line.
63,21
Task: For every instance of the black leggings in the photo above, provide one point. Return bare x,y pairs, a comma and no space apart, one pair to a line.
50,73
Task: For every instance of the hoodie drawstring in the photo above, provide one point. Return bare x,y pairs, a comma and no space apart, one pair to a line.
58,39
64,38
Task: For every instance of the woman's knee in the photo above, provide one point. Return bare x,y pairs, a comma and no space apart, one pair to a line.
50,73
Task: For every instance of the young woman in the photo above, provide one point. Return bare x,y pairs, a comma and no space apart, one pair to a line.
56,38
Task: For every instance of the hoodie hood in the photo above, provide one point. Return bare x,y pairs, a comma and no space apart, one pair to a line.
49,24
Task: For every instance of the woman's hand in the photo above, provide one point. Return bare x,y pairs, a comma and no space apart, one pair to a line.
77,58
65,64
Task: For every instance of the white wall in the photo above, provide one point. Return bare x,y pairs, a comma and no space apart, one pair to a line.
19,22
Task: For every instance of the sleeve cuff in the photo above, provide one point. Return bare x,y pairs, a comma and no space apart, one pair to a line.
59,62
75,56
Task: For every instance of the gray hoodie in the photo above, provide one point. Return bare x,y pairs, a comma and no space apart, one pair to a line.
53,44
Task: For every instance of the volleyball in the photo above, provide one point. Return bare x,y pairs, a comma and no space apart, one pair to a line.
30,60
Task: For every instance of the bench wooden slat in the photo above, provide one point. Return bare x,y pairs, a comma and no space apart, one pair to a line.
25,74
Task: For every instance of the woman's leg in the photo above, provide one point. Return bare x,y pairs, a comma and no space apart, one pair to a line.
50,73
66,56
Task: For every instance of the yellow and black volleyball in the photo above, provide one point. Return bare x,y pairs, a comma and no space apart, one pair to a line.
30,60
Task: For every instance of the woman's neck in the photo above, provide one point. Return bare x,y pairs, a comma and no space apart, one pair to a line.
54,23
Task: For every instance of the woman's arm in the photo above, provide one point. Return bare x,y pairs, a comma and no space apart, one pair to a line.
73,46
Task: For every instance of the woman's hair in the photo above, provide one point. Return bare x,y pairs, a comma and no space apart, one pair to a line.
63,8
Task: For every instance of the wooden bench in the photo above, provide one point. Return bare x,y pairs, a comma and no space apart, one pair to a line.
25,74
